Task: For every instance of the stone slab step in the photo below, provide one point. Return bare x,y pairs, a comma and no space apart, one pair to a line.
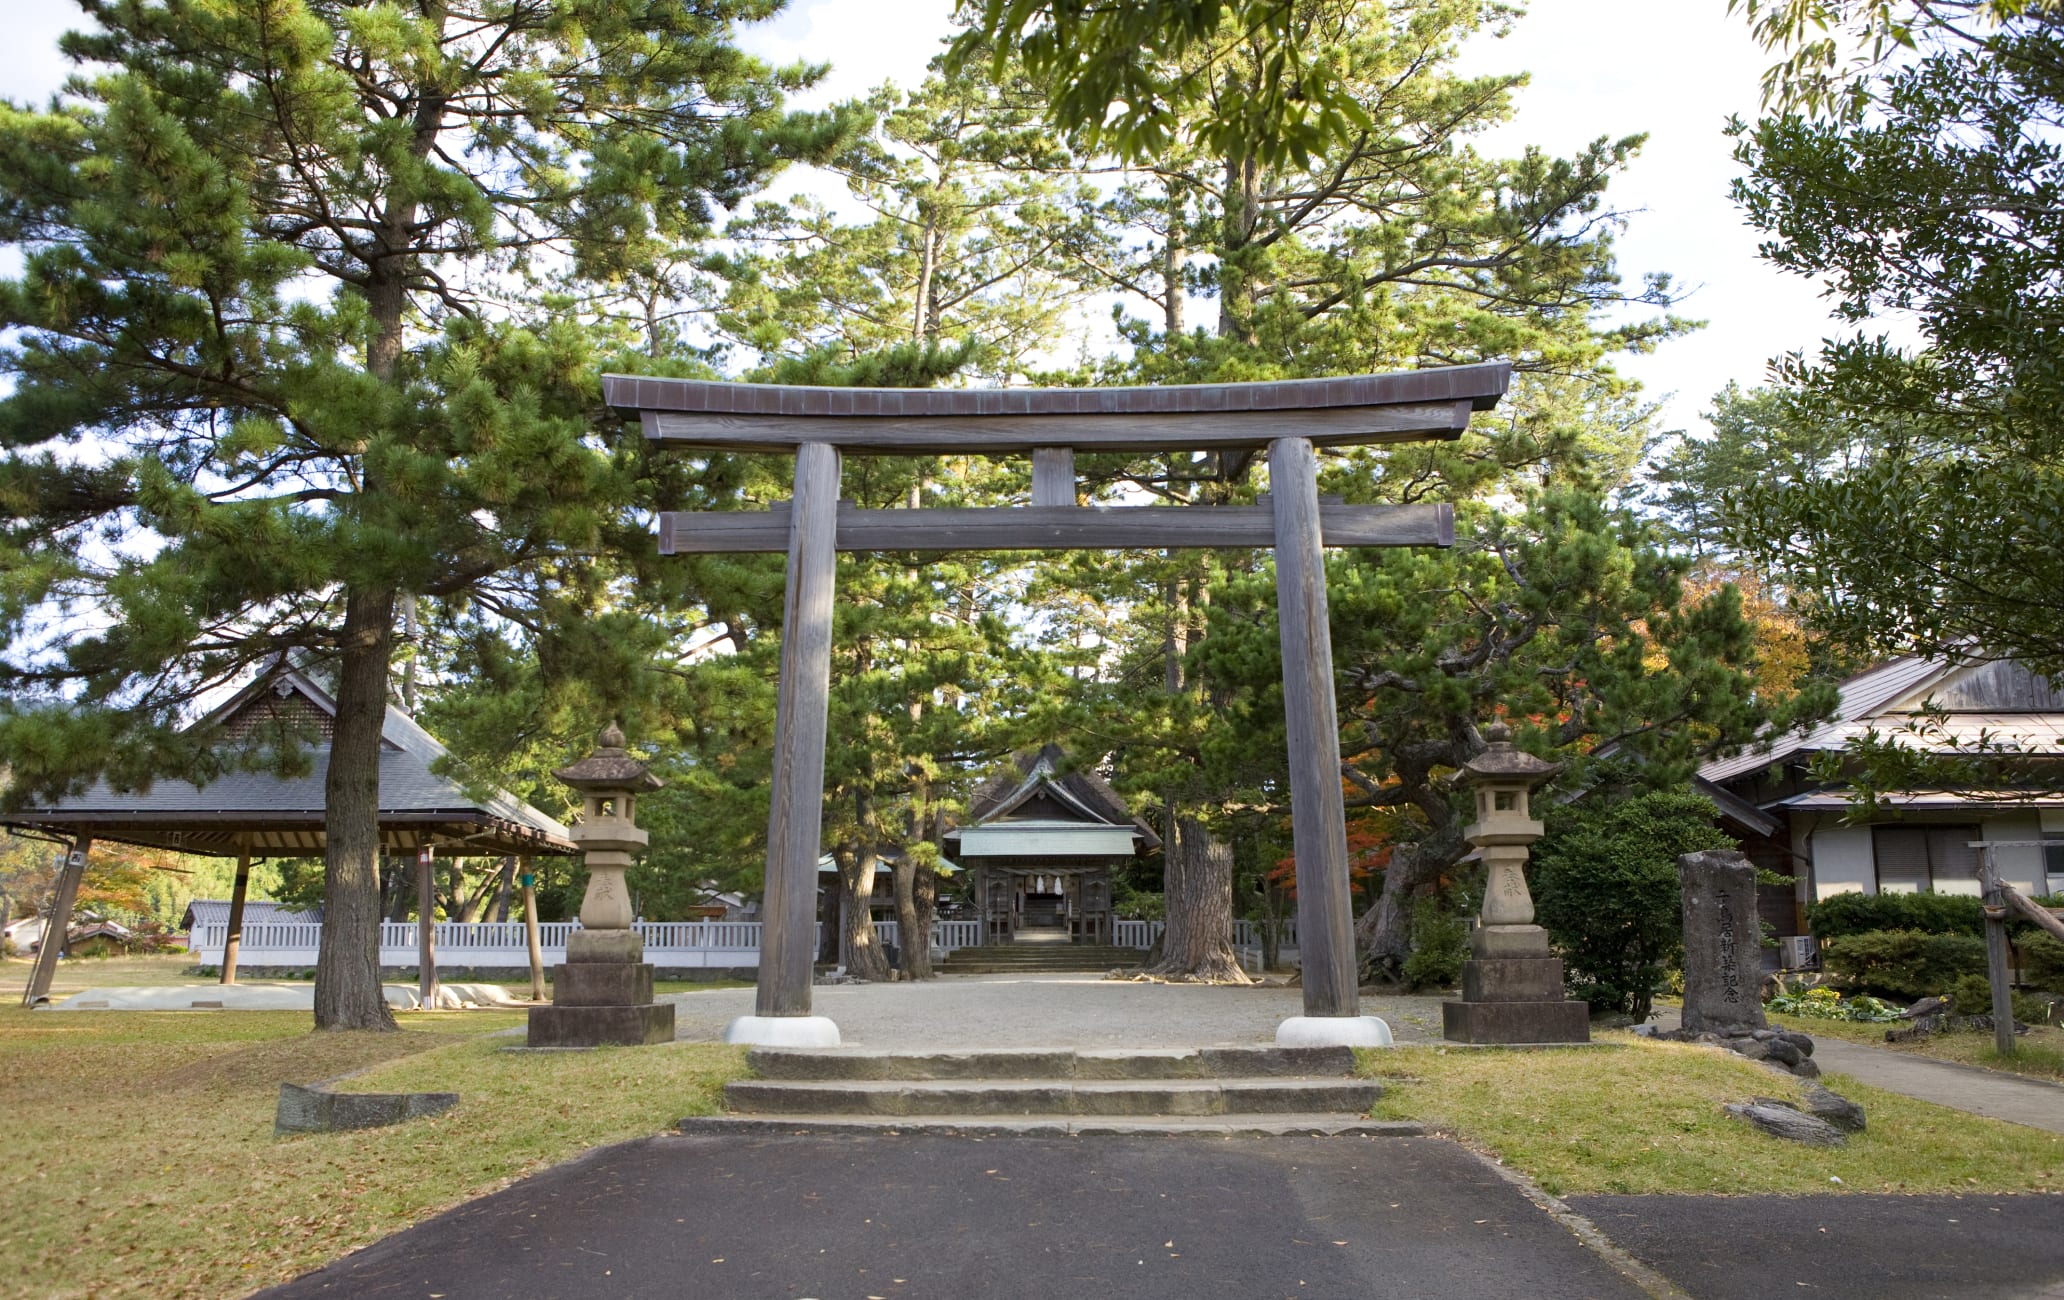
1052,1097
986,1126
1054,1063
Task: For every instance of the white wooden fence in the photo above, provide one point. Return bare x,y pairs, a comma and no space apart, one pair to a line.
486,945
674,944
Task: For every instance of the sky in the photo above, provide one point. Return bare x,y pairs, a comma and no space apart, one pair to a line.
1673,70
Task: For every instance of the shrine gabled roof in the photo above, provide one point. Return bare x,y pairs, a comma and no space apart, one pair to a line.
1044,770
282,816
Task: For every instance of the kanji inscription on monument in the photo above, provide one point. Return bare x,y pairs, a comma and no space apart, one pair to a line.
1720,933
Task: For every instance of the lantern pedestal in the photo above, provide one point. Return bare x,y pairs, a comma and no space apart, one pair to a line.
605,1001
1512,992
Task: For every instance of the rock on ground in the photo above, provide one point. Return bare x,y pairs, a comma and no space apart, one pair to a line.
1781,1120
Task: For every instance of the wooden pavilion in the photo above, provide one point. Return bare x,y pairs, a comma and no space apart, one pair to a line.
259,814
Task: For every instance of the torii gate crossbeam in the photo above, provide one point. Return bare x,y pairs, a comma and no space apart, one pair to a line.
1291,419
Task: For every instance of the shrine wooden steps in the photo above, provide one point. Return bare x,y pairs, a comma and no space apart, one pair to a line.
1020,958
1054,1092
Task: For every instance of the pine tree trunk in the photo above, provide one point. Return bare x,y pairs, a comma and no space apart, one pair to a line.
347,975
1197,941
859,948
913,923
395,887
1173,256
503,889
1383,934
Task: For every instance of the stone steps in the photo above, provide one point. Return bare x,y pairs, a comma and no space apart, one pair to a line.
1050,1096
1071,1091
1006,959
985,1126
1053,1063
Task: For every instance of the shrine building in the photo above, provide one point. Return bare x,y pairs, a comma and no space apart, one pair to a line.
1041,843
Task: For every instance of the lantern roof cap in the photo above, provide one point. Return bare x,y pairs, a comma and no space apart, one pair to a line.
1501,762
609,768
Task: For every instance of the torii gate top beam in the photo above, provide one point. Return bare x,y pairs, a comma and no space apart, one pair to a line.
720,416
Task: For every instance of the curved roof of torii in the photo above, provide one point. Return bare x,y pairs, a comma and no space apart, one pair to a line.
271,815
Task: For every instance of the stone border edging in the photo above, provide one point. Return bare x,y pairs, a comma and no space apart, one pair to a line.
314,1110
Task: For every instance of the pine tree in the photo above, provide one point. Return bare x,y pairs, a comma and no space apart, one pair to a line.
281,358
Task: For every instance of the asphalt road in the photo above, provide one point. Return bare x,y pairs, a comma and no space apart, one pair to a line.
945,1218
948,1218
1865,1246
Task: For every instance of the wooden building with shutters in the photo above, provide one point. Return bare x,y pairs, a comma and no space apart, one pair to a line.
1041,843
1791,821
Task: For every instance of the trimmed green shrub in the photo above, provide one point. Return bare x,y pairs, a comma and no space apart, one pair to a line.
1605,887
1904,963
2042,960
1440,944
1847,914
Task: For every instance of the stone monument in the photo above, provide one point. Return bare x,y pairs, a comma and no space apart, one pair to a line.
1723,943
602,995
1512,985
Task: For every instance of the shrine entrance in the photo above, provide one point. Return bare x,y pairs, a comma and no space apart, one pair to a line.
1289,420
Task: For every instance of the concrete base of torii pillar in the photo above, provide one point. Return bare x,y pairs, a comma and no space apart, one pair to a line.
782,1031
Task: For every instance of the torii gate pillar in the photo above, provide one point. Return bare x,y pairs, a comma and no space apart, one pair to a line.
817,425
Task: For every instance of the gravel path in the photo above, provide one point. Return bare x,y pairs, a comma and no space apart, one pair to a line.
986,1011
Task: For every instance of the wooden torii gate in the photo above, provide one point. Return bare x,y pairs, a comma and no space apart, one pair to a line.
1289,418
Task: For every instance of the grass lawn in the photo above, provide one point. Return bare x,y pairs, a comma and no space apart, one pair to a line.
79,973
2038,1054
142,1161
1645,1117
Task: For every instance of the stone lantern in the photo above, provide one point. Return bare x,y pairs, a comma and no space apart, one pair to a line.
1511,985
603,993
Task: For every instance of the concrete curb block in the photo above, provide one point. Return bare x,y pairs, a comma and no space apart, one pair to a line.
312,1110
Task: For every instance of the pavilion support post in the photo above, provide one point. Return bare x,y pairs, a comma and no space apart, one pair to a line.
1325,919
233,941
530,931
59,923
795,819
426,925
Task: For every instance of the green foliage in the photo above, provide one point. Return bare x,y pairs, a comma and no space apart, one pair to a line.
1440,944
1824,1003
2042,960
1841,915
1904,963
1605,887
1924,186
1137,79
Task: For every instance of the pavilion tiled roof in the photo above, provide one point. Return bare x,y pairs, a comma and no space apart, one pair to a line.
277,815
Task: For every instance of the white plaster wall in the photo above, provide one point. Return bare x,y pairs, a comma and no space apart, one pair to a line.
1842,861
2021,868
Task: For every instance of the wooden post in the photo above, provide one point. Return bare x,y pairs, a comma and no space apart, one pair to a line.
426,924
1053,476
1996,957
530,933
1318,816
795,819
59,923
233,941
